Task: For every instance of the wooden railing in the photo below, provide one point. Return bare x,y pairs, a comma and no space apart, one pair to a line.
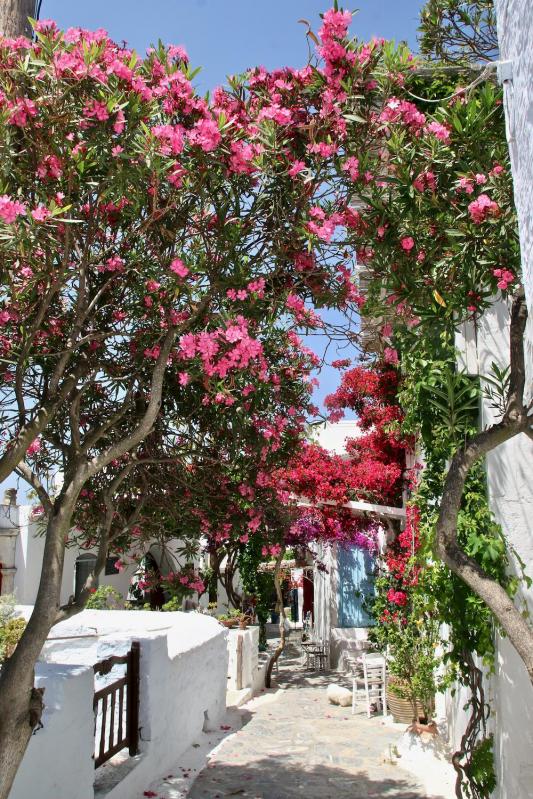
116,708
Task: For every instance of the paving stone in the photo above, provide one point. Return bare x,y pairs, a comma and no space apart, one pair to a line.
298,745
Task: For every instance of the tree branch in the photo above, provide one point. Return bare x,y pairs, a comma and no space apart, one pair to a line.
31,478
17,449
514,421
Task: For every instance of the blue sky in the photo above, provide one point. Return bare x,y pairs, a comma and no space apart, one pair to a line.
228,36
225,37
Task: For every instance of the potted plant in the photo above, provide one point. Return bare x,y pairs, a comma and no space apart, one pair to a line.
231,619
409,636
244,621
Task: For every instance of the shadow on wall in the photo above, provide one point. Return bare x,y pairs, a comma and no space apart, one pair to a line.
514,711
277,777
509,465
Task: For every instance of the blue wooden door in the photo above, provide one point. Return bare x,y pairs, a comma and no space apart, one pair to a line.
356,583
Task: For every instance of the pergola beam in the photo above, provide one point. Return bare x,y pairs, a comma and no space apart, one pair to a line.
358,508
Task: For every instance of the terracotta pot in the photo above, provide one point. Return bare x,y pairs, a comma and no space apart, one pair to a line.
402,709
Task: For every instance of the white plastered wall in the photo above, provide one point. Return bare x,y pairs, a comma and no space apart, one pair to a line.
510,466
183,671
29,548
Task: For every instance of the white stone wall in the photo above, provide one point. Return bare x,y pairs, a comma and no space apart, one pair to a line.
58,760
509,467
332,436
243,657
510,491
183,673
515,34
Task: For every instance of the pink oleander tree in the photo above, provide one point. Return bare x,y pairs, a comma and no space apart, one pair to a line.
149,239
202,483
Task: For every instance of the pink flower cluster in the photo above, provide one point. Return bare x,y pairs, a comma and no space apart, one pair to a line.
390,355
272,551
337,58
206,134
351,166
50,168
325,227
242,155
207,345
397,597
10,209
505,278
467,184
22,110
178,267
407,243
482,208
34,447
188,579
425,180
403,111
170,138
439,130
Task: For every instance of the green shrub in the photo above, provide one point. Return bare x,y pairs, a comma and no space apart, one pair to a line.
10,635
7,608
106,598
173,604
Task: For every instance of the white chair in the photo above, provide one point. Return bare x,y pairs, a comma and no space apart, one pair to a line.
370,672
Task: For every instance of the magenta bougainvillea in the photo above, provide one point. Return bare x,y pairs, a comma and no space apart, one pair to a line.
372,469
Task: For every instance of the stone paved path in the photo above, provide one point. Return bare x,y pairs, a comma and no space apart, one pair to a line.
293,743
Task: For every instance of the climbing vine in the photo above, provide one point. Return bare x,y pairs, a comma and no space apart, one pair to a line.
443,406
443,244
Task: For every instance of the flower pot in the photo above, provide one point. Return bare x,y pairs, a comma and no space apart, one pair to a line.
402,709
230,623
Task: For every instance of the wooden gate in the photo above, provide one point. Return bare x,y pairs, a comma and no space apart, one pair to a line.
116,708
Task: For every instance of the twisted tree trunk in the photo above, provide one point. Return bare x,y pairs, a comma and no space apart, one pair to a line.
14,18
516,419
281,646
21,704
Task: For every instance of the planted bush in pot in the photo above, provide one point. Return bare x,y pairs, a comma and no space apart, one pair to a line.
409,636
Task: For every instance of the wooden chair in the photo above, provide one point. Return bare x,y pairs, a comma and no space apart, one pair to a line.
370,672
316,654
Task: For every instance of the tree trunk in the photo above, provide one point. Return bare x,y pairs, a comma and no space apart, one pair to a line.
282,618
20,703
213,582
515,420
14,18
20,708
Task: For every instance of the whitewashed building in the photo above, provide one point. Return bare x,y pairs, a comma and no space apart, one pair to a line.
21,555
510,466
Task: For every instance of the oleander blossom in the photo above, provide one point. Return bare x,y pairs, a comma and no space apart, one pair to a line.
505,278
10,209
440,131
482,208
